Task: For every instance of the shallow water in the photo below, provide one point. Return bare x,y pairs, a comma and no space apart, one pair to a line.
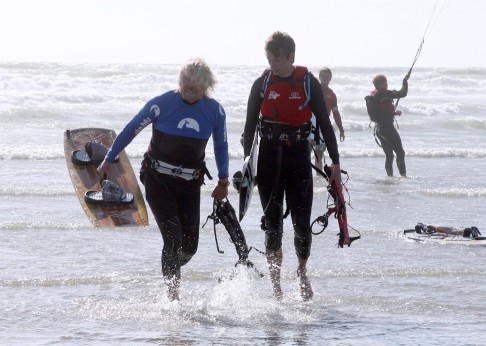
66,282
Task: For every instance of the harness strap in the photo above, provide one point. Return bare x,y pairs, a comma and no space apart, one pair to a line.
266,81
177,171
376,137
306,90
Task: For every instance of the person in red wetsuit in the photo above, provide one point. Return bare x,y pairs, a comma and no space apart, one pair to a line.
281,102
325,76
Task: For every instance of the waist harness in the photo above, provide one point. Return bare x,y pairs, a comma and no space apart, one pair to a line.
177,171
280,132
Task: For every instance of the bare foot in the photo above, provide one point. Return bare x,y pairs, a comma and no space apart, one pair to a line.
172,293
172,284
305,286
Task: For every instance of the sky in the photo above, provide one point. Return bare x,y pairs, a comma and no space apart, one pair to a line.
353,33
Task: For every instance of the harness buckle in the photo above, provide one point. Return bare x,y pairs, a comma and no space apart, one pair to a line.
177,171
196,174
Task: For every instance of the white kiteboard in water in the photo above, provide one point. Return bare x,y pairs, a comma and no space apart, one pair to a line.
248,181
442,238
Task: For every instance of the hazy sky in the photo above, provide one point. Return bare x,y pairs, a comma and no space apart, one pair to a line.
332,33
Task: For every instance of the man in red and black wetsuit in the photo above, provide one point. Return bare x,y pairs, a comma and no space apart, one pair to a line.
385,128
286,96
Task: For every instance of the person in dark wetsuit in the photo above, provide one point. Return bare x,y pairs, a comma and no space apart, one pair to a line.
385,130
284,161
173,168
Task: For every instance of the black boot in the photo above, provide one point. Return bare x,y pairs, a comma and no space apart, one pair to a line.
420,228
475,232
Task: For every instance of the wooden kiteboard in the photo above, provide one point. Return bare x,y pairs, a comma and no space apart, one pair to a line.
86,178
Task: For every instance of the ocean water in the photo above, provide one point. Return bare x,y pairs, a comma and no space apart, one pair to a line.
63,281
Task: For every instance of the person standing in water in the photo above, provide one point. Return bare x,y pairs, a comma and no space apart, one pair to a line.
286,96
325,76
383,113
173,168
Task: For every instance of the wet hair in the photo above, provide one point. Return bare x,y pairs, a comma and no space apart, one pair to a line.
199,72
280,44
379,80
325,70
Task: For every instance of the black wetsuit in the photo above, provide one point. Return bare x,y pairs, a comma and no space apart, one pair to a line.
180,133
294,173
385,128
175,204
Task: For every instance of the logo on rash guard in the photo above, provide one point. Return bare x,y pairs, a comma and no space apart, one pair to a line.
188,123
295,96
221,110
273,95
156,110
143,124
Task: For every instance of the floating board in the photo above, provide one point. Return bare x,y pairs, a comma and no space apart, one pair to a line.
442,238
86,178
248,181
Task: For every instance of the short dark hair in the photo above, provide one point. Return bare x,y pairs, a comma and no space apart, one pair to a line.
379,80
280,44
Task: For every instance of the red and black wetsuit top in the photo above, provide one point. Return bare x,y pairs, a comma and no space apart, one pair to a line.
315,105
285,99
386,108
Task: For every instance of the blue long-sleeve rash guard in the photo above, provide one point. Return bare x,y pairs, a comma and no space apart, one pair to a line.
171,115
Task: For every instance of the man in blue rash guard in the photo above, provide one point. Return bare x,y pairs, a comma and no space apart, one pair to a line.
173,168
